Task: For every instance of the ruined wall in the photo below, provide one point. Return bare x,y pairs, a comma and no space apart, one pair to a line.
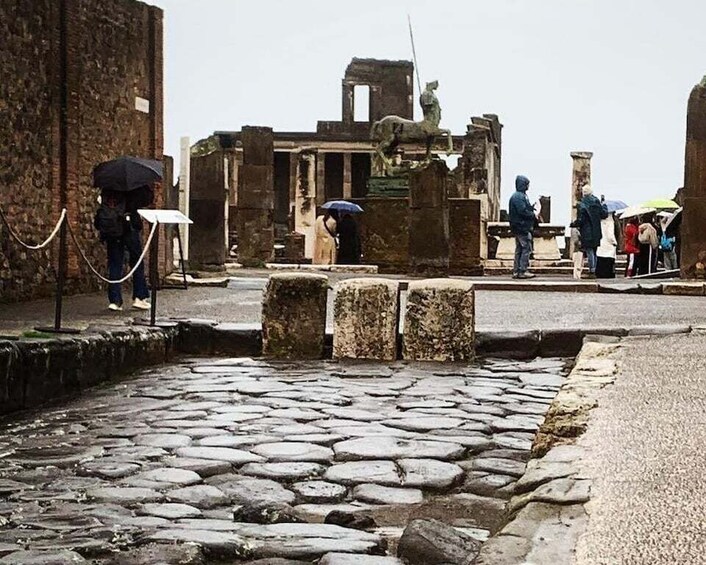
72,70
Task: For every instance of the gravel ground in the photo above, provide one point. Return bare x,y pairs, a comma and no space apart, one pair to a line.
647,459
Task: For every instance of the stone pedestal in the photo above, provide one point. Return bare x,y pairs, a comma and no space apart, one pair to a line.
580,176
294,316
439,321
546,246
365,319
465,239
429,220
693,235
255,215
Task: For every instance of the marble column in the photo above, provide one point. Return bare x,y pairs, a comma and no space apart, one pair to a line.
305,200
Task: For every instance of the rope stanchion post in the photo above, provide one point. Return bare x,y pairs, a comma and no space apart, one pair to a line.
154,274
60,282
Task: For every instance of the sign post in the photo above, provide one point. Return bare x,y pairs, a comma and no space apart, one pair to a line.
159,217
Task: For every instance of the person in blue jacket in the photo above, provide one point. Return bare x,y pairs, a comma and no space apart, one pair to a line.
522,220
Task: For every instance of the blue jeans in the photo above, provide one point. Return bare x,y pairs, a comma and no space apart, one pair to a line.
592,259
523,250
116,259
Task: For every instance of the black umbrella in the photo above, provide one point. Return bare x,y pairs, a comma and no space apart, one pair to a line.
127,173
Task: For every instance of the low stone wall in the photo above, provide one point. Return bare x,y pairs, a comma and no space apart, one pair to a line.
38,371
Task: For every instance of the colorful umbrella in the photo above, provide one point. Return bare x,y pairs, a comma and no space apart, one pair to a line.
635,211
660,204
615,205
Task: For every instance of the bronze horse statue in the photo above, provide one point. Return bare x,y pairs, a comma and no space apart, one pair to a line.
390,131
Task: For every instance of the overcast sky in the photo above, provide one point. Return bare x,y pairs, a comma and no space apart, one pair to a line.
608,76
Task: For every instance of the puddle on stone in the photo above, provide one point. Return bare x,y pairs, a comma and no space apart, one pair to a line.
247,458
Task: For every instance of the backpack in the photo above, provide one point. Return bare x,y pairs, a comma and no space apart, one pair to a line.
110,216
666,243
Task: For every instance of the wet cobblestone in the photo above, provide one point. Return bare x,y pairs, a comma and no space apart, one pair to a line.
246,458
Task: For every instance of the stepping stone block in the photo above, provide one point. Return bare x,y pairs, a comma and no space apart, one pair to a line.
365,319
439,321
294,316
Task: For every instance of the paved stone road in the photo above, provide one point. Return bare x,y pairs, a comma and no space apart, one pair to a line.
246,459
646,457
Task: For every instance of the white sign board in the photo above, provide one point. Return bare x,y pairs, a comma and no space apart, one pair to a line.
142,105
164,216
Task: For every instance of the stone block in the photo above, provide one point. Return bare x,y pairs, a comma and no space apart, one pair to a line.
427,186
207,240
384,233
258,145
365,319
439,321
256,187
294,247
429,241
294,316
683,289
256,244
514,344
430,541
465,237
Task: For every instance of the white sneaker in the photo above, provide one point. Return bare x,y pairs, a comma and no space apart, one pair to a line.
115,307
141,304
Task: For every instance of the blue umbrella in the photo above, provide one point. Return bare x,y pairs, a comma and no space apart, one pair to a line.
615,205
343,206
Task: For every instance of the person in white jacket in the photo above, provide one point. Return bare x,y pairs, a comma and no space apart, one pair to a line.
605,267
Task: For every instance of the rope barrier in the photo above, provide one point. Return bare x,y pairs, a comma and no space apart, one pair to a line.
132,271
53,234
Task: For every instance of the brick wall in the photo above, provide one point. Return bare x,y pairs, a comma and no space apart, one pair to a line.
72,70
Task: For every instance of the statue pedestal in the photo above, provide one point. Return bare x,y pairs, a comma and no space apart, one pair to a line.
546,247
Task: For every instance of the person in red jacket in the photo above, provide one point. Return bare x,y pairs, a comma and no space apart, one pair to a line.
632,245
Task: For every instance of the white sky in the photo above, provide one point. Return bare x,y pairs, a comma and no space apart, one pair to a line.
608,76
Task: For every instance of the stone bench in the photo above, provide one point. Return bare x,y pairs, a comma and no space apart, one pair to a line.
294,316
439,321
365,319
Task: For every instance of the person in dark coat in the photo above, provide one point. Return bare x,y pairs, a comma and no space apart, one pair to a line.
589,216
522,220
348,241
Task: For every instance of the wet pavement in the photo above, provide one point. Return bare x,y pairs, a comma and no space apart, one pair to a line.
495,310
247,459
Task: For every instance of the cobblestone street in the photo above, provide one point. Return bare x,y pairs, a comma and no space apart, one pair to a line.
247,459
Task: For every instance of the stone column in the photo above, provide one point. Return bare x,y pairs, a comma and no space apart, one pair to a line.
580,175
320,178
439,321
347,182
365,319
429,220
294,316
305,200
693,235
256,197
184,176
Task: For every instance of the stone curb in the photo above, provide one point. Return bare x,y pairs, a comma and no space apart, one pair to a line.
547,513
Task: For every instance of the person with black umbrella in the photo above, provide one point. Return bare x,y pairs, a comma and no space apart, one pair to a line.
126,187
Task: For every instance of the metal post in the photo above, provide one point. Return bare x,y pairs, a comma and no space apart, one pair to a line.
154,274
60,280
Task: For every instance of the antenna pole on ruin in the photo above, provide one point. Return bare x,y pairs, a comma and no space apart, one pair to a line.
414,54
